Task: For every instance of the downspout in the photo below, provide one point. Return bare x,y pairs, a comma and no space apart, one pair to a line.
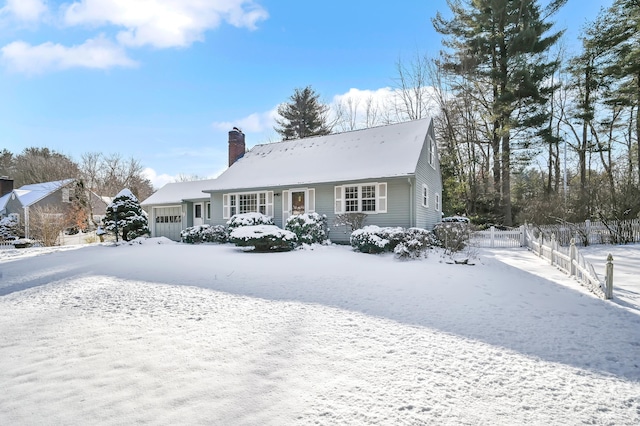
411,202
26,221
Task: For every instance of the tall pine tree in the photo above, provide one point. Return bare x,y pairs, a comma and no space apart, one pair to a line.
502,45
303,116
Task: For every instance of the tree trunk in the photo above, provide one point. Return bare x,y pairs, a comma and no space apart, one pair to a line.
506,179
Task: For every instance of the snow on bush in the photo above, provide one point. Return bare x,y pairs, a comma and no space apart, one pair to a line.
126,215
415,244
409,243
9,228
263,238
452,236
205,234
249,219
374,239
310,228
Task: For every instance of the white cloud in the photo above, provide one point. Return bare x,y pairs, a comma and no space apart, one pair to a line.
97,53
255,123
25,10
157,180
164,23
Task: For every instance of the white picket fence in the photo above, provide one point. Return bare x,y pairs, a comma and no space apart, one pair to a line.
572,262
494,238
567,259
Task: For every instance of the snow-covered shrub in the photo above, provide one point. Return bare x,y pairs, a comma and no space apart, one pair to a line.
374,239
452,236
405,243
415,244
205,234
263,238
310,228
125,214
249,219
9,228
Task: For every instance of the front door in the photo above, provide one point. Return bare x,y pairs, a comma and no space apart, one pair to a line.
297,202
197,214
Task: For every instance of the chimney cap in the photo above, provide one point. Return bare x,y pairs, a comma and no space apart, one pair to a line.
236,129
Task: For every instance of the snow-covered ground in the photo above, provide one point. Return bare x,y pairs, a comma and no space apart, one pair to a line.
206,334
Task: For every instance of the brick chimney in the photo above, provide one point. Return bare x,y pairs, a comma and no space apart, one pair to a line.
6,185
236,145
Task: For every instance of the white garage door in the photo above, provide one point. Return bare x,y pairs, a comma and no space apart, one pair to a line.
168,222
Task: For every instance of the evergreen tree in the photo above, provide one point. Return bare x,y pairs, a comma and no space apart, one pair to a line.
125,216
303,116
615,37
501,45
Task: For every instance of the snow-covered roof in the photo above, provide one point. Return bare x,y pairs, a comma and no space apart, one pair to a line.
4,200
31,194
174,193
378,152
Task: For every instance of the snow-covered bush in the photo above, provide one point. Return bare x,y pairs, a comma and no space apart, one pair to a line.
374,239
263,238
205,234
452,236
9,228
409,243
415,244
310,228
125,214
249,219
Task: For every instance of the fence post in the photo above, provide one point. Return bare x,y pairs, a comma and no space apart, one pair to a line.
587,228
573,255
609,278
493,235
523,236
553,247
540,241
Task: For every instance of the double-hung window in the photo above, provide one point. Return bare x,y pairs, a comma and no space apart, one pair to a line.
432,151
361,198
425,196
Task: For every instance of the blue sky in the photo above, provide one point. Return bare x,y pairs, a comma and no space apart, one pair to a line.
164,80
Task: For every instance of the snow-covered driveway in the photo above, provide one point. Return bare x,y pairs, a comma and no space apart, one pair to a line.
180,334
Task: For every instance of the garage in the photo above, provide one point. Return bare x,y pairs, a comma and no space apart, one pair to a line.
168,222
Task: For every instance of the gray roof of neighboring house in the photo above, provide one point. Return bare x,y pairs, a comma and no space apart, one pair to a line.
175,193
4,200
31,194
378,152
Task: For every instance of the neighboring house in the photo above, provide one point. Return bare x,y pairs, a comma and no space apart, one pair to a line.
21,202
391,173
177,206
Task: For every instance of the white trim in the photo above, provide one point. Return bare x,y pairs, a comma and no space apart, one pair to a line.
225,206
286,206
207,210
339,200
381,202
269,202
437,202
311,200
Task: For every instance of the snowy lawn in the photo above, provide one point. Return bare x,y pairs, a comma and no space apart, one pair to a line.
179,334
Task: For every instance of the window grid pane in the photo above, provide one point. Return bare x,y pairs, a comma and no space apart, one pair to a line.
351,198
247,203
369,198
